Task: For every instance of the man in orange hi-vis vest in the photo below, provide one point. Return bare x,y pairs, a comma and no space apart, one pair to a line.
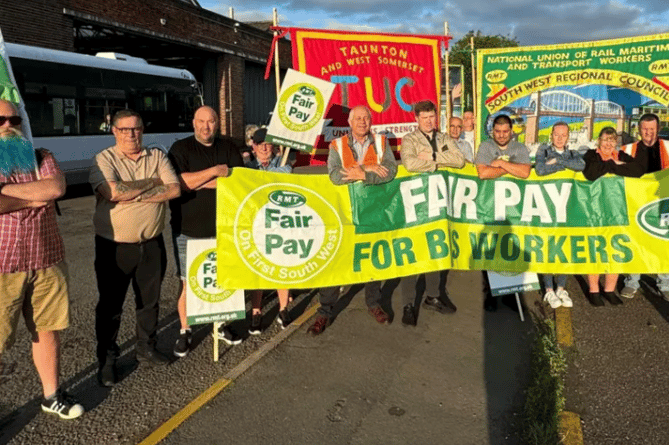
656,152
360,156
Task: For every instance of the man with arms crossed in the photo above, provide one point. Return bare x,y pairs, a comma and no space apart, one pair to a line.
33,273
498,157
364,157
132,185
198,160
502,156
553,158
425,150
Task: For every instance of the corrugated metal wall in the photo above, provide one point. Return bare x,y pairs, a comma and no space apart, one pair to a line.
259,94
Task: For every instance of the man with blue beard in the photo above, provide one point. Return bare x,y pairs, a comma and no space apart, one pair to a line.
33,273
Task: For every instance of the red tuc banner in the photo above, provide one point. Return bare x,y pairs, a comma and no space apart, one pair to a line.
386,72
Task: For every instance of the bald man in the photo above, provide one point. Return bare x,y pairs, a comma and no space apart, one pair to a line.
360,156
455,127
469,126
199,160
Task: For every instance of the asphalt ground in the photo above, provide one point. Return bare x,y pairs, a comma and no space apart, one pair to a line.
456,378
619,372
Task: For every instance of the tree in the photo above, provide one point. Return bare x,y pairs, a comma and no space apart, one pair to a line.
461,54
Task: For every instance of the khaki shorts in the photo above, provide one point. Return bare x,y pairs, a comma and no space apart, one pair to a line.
42,297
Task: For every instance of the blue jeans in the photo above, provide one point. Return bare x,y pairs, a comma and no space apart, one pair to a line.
662,280
560,280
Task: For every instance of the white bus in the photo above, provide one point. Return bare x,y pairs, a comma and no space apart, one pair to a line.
70,97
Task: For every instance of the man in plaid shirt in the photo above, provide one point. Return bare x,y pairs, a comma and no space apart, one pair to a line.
33,274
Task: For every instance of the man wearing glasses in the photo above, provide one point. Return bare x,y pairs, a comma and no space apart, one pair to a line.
33,273
132,186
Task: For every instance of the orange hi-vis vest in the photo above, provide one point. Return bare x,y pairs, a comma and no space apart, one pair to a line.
372,156
630,149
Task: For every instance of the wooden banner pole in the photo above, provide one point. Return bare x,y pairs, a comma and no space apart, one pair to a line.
447,80
277,74
474,99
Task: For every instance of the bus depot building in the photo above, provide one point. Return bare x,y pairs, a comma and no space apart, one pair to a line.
210,55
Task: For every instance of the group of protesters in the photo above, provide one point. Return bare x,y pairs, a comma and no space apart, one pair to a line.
134,185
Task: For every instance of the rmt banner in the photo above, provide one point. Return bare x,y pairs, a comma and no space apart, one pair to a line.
589,85
388,73
298,114
300,231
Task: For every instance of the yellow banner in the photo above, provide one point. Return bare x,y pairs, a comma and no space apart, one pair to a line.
300,231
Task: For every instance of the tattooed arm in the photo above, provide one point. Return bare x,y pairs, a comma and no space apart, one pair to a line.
126,190
161,193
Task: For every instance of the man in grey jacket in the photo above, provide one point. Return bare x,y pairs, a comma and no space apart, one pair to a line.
425,150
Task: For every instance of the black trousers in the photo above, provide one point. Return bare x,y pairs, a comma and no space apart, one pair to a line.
330,295
116,266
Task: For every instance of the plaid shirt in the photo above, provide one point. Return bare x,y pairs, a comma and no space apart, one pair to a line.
29,238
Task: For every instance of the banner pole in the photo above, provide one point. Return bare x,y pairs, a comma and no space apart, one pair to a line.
447,81
277,74
475,104
216,327
275,21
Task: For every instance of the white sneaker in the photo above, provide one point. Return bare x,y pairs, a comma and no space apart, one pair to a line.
628,292
563,295
552,299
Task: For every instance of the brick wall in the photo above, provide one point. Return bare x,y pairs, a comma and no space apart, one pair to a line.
182,21
37,23
231,95
43,23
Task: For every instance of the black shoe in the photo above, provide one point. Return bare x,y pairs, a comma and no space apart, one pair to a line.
62,405
229,337
183,344
437,304
256,320
409,316
490,304
107,373
612,298
595,299
152,357
284,319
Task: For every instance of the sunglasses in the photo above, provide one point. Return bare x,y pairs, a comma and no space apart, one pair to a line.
13,120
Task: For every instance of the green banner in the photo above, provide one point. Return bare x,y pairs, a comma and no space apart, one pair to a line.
589,85
450,196
301,231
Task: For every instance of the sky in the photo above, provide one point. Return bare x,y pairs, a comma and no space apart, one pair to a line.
531,22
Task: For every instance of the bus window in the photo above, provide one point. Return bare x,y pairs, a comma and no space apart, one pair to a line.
52,116
98,113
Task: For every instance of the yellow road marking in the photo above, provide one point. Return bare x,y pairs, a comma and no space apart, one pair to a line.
166,428
563,327
570,423
570,429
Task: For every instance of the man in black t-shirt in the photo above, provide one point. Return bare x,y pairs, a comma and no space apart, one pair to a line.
199,160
